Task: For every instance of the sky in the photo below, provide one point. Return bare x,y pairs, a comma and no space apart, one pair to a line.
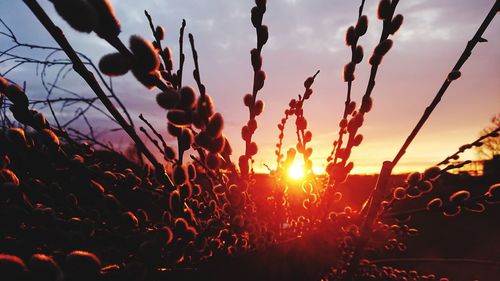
305,36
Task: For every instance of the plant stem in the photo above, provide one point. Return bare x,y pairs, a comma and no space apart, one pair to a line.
182,57
463,58
88,76
196,73
366,229
451,157
374,200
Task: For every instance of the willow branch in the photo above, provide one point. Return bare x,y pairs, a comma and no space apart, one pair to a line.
455,156
463,58
196,72
80,68
182,57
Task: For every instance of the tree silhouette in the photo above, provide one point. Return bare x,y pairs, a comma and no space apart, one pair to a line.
491,146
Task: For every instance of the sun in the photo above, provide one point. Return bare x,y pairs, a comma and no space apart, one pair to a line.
296,171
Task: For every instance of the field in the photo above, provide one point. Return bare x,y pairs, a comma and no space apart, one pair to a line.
93,188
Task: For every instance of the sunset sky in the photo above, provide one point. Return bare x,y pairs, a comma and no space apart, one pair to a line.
305,36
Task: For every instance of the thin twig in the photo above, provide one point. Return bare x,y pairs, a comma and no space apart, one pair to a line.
80,68
196,72
182,57
47,63
455,155
157,39
361,8
157,134
153,140
85,137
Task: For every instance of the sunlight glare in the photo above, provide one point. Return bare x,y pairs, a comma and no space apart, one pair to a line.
296,172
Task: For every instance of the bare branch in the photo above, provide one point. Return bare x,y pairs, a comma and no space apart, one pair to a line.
80,68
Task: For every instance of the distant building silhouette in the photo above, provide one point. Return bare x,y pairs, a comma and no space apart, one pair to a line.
482,168
491,168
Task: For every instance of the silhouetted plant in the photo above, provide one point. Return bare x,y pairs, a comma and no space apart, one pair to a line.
477,143
255,107
87,214
353,118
